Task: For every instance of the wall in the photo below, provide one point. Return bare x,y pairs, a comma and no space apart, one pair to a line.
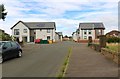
74,36
21,26
42,34
82,34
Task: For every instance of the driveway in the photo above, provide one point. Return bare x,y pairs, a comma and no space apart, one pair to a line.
38,60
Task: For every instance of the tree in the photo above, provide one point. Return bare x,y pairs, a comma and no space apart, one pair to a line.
66,36
2,12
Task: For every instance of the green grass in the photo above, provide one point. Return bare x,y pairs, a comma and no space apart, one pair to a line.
64,67
113,47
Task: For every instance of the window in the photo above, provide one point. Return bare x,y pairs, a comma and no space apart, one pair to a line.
24,30
16,31
99,32
48,37
40,29
85,37
14,44
89,32
85,32
7,44
48,30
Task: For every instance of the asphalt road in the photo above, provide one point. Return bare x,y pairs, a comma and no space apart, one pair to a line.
37,61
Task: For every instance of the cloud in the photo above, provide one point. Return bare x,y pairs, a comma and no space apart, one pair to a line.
66,13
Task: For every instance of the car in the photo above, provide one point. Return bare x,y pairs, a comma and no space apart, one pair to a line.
9,49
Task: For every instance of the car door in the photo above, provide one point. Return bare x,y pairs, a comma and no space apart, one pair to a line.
7,50
14,48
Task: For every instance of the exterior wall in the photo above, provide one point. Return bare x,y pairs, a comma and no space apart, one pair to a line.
74,36
53,36
21,27
60,37
56,37
42,34
98,32
87,35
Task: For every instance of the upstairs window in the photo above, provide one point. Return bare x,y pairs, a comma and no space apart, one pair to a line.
16,32
24,30
85,32
89,32
48,30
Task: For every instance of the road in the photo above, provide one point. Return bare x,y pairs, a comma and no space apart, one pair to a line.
47,60
37,61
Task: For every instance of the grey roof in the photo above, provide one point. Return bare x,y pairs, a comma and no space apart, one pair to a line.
60,33
91,26
38,25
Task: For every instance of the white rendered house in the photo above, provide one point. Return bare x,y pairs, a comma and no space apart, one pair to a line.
29,31
93,30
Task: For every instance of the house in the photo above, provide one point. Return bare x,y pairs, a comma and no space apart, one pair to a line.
29,31
113,33
66,38
58,36
74,36
87,30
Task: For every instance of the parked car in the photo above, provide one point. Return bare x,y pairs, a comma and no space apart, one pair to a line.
9,49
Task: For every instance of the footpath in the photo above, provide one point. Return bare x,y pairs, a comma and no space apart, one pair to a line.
85,62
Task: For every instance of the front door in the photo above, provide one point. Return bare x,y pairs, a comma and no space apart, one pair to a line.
25,39
48,37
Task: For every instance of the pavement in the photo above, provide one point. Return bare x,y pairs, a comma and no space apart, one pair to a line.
85,62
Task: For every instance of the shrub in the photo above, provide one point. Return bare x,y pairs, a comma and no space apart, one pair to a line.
113,40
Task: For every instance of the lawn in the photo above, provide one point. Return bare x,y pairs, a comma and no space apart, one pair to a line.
113,46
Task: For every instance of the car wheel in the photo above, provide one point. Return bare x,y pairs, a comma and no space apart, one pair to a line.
1,60
19,54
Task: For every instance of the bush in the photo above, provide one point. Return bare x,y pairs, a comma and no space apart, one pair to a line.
113,40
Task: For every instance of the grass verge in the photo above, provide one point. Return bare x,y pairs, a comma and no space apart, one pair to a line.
65,65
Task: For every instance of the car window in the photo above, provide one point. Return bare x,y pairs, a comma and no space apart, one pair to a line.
14,44
1,44
7,44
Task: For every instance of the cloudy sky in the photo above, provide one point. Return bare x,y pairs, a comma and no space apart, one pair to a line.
66,13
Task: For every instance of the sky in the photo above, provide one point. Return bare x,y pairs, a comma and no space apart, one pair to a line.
67,14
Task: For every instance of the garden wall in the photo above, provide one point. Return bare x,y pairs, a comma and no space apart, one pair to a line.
114,56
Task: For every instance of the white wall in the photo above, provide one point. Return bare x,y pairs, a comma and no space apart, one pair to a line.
21,27
56,37
42,34
74,36
87,35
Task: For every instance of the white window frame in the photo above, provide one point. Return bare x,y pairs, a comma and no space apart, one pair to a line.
16,31
48,30
24,30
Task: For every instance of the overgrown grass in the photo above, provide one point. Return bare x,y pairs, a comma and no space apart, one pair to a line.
65,65
113,47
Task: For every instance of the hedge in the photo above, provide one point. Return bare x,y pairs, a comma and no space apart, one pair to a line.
113,40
